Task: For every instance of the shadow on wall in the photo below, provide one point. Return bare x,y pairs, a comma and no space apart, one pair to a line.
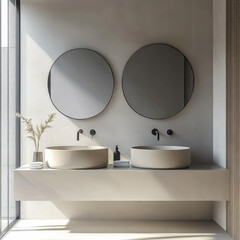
121,210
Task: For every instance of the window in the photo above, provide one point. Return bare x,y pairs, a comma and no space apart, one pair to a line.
9,105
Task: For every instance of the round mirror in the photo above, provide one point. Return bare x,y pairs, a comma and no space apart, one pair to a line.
80,83
157,81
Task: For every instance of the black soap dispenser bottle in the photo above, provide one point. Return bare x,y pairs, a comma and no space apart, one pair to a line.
116,154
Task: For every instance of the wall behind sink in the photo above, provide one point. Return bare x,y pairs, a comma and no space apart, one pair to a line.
116,29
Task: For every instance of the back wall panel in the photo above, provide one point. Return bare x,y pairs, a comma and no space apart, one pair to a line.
116,29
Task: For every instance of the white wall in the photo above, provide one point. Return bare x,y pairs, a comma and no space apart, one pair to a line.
118,210
116,29
219,82
219,97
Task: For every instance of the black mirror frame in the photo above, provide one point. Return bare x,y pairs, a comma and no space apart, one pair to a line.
49,84
185,58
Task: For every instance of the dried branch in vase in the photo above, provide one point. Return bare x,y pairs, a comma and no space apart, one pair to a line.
36,132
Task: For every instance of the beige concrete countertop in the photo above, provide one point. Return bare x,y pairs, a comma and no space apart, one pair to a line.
110,167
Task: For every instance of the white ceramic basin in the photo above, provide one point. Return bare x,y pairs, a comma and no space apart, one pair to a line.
76,157
161,157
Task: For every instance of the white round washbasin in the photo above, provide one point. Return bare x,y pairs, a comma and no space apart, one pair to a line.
76,157
161,157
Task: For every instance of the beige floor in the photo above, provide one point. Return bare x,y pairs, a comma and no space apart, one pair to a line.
115,230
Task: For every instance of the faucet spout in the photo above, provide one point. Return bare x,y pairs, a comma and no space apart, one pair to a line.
155,132
78,133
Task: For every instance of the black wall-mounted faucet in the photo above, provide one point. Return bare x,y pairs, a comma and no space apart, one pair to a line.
78,133
156,132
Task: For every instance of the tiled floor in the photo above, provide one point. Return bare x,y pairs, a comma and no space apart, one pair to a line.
116,230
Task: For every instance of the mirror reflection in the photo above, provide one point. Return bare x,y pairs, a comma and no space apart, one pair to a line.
80,83
157,81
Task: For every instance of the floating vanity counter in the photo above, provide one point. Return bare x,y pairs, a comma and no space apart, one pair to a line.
197,183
